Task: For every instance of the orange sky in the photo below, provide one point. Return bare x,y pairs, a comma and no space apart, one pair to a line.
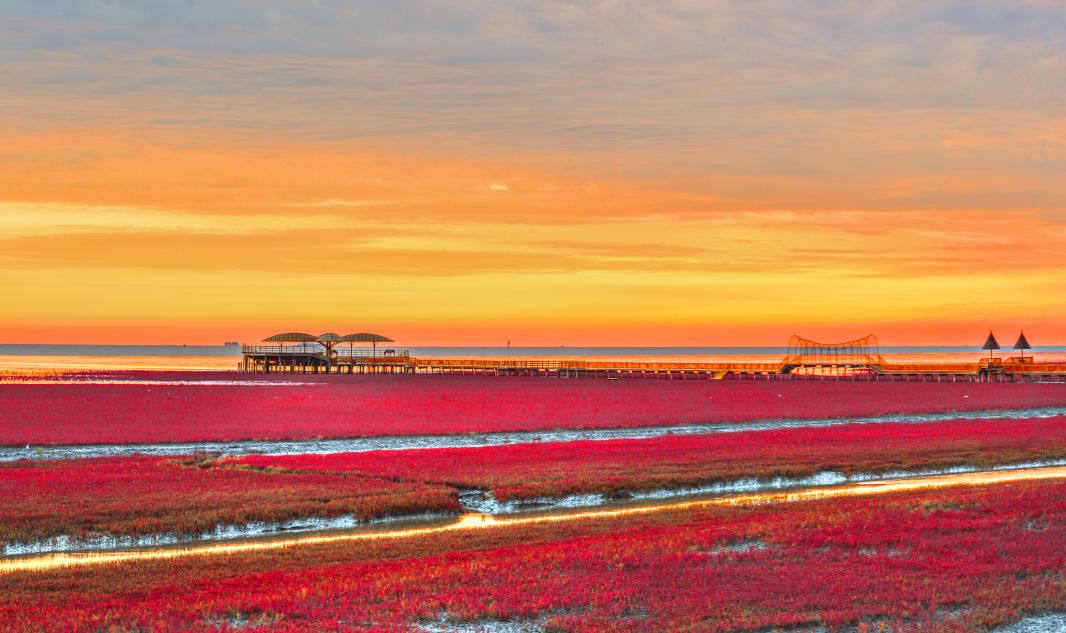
218,173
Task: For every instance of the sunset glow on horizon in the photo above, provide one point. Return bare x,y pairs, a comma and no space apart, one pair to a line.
573,174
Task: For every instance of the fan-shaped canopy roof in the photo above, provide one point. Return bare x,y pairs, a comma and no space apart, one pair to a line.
1022,343
990,342
328,337
366,337
290,337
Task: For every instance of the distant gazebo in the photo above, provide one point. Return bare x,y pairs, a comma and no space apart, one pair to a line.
991,344
290,337
366,337
1022,344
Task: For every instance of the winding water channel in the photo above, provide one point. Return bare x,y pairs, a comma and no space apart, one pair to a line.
476,521
405,442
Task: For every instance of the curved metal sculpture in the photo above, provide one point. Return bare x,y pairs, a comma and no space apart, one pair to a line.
862,352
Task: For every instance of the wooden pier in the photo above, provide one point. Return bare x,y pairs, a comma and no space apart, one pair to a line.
308,360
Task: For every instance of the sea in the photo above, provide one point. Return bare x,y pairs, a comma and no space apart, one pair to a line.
15,357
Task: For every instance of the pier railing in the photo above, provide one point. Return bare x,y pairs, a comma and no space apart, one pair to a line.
928,368
282,350
369,353
1035,368
338,355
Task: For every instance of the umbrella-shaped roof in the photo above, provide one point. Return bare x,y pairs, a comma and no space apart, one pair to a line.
290,337
1022,343
990,342
328,337
366,337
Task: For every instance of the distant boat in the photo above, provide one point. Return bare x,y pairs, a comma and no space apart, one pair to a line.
231,344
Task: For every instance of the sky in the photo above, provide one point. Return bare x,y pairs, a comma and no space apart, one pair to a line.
545,172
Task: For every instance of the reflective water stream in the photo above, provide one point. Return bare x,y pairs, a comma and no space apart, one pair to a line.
475,521
406,442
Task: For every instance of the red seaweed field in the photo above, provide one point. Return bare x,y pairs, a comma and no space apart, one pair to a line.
119,496
42,414
135,496
946,560
952,560
556,469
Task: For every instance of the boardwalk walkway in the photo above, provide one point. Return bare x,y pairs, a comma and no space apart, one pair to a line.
280,359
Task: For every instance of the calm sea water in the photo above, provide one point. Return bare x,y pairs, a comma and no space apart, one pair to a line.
226,357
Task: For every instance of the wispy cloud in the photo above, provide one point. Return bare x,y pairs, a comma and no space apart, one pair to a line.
330,203
48,218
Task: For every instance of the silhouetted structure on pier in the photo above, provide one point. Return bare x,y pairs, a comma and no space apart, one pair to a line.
1022,344
991,344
